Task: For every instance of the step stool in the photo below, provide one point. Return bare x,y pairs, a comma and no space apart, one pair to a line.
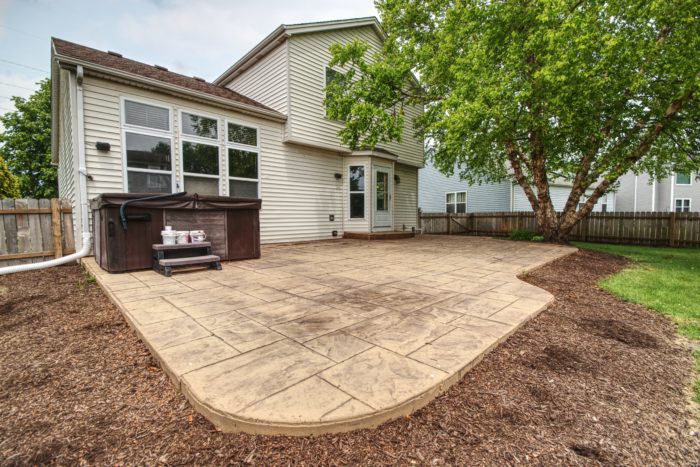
165,257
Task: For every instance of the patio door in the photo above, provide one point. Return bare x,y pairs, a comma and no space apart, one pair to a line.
383,197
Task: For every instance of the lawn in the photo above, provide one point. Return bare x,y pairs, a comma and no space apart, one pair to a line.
664,279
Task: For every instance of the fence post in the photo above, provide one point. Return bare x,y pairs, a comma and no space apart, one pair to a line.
672,229
449,225
56,227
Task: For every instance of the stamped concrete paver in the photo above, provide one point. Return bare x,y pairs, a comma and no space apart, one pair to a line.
192,355
381,378
331,336
338,346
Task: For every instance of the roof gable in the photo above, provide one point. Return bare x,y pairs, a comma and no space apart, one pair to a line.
283,32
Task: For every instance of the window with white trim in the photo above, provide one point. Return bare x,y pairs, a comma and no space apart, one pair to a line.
148,148
456,202
200,154
356,187
682,204
683,178
243,161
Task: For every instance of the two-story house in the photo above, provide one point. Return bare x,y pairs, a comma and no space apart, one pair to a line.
680,193
259,130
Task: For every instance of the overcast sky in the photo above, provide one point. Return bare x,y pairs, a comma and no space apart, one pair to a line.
193,37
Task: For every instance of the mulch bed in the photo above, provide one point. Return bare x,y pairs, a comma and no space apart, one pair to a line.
591,381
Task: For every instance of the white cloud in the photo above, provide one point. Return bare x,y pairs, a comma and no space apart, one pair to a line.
204,38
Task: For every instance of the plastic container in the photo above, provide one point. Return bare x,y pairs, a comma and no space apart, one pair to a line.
169,236
197,236
183,236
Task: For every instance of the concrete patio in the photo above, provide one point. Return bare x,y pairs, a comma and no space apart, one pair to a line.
331,336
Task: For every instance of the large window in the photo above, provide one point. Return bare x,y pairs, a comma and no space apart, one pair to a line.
200,154
683,178
148,148
682,204
357,191
456,202
243,170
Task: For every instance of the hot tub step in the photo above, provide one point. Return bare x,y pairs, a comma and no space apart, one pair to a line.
165,266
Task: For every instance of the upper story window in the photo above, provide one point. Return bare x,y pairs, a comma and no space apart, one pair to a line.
683,178
334,78
148,148
682,204
456,202
243,161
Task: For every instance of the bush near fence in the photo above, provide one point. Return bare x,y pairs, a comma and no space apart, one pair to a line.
634,228
34,230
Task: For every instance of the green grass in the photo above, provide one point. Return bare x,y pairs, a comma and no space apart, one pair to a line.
664,279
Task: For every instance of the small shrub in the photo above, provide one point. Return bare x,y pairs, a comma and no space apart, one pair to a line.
538,238
521,234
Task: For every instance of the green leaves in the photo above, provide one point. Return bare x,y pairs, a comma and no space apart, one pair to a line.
588,77
25,144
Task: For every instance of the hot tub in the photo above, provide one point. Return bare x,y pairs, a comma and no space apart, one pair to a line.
232,226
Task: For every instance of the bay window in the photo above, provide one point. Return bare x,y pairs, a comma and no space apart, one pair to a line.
357,191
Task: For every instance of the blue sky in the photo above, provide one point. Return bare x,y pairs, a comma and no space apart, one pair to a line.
193,37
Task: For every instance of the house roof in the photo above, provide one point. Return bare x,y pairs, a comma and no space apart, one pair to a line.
284,31
69,52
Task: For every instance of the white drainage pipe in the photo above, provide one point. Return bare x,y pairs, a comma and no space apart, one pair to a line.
87,243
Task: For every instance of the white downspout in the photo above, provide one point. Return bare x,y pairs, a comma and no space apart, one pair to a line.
672,203
86,242
634,208
653,195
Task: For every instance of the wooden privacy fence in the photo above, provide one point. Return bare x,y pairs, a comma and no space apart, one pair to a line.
634,228
33,230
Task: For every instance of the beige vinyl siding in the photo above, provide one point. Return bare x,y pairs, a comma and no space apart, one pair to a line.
266,80
67,173
298,187
308,58
405,197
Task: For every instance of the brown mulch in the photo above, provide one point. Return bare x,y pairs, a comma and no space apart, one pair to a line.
591,381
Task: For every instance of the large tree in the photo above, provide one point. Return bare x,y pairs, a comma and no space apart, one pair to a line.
25,143
533,91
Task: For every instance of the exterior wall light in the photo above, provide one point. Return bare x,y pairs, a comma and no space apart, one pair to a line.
102,146
397,179
338,176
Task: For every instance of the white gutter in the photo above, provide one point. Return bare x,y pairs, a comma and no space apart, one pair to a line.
86,242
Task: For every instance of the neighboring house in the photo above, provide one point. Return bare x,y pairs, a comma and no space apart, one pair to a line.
440,193
259,130
680,193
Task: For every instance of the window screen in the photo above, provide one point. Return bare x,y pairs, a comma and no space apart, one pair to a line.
145,115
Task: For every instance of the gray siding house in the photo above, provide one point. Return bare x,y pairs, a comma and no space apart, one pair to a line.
440,193
259,130
679,193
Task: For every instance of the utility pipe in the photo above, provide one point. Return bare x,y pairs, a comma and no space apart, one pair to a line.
82,186
87,243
